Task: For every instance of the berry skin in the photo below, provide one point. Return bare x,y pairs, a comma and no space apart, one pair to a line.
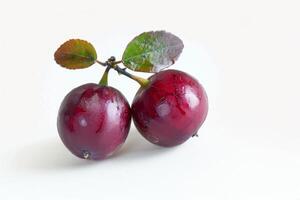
94,121
170,109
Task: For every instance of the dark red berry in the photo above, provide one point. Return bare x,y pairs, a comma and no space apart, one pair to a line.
170,109
94,121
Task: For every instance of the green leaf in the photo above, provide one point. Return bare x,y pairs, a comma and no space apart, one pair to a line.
75,54
152,51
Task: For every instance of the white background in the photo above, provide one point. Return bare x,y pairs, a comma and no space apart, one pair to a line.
246,55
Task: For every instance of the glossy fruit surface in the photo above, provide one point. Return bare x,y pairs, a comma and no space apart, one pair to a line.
94,121
170,109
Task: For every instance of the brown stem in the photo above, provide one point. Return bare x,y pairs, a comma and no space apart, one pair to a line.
113,64
101,63
118,62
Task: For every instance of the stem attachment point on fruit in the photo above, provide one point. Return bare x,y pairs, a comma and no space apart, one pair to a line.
143,82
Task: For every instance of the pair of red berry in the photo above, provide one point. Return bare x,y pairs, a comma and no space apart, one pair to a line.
168,109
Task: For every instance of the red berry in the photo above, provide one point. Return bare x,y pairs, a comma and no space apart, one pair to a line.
94,121
170,109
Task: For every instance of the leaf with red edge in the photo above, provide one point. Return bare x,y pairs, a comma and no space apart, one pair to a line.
76,54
